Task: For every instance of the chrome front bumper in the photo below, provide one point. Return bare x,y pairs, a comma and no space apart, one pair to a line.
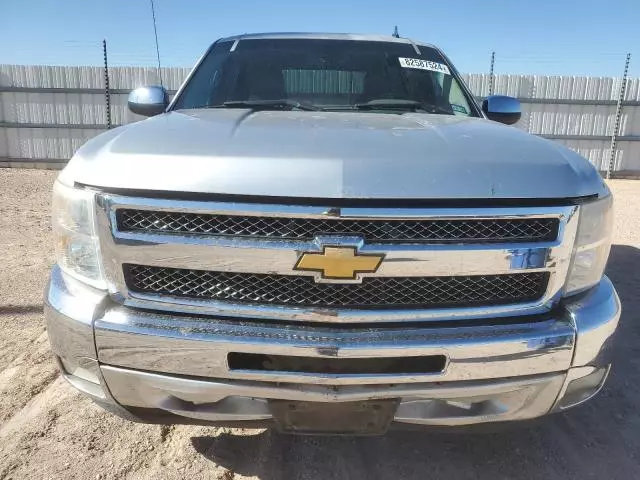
135,360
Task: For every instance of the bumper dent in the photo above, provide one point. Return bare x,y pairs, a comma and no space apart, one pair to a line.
195,347
177,364
457,403
70,308
595,316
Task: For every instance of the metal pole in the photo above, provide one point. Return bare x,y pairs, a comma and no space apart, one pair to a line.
155,32
616,128
493,59
107,93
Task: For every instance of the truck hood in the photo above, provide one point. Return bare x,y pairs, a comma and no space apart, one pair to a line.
331,155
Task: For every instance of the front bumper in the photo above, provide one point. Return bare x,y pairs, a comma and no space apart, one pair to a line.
176,366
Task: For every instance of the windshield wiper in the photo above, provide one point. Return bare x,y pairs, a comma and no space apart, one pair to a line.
283,104
400,104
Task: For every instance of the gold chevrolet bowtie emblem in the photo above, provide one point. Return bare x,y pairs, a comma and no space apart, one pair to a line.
340,263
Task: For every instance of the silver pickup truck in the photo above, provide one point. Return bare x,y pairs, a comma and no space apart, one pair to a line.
326,233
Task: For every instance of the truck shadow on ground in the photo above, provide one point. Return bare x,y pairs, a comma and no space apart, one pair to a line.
595,440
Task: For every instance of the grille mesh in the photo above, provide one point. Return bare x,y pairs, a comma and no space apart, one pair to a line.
374,230
373,292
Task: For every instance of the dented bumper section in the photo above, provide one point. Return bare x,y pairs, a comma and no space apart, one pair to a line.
224,370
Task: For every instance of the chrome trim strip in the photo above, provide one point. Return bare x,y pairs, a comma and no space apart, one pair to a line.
299,211
274,313
279,257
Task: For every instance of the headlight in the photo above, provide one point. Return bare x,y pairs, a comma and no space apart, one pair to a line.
77,247
593,242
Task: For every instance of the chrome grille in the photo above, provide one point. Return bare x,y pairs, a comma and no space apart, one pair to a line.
460,230
373,292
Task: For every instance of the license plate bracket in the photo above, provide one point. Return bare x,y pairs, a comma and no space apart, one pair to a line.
371,417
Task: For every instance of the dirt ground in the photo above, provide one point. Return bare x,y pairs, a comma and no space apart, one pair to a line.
49,431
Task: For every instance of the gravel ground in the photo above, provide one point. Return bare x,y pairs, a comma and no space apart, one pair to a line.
49,431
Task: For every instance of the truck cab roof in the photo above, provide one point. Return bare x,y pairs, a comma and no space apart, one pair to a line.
325,36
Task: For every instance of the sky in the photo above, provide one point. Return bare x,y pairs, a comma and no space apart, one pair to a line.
554,37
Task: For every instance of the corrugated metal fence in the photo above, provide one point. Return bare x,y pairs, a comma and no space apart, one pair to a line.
46,113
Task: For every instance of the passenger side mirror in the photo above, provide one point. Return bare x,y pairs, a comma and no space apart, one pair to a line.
148,101
503,109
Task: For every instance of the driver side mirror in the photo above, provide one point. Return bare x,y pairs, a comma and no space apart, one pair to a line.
503,109
148,101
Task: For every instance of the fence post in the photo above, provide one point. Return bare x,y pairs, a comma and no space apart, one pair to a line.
493,58
107,93
616,127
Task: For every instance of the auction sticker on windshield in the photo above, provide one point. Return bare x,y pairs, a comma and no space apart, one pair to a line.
424,65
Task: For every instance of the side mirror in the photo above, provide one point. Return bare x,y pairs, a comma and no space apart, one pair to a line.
148,101
503,109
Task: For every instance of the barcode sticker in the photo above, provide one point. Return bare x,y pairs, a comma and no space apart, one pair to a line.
424,65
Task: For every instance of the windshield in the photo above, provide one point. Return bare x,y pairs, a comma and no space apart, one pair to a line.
325,74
